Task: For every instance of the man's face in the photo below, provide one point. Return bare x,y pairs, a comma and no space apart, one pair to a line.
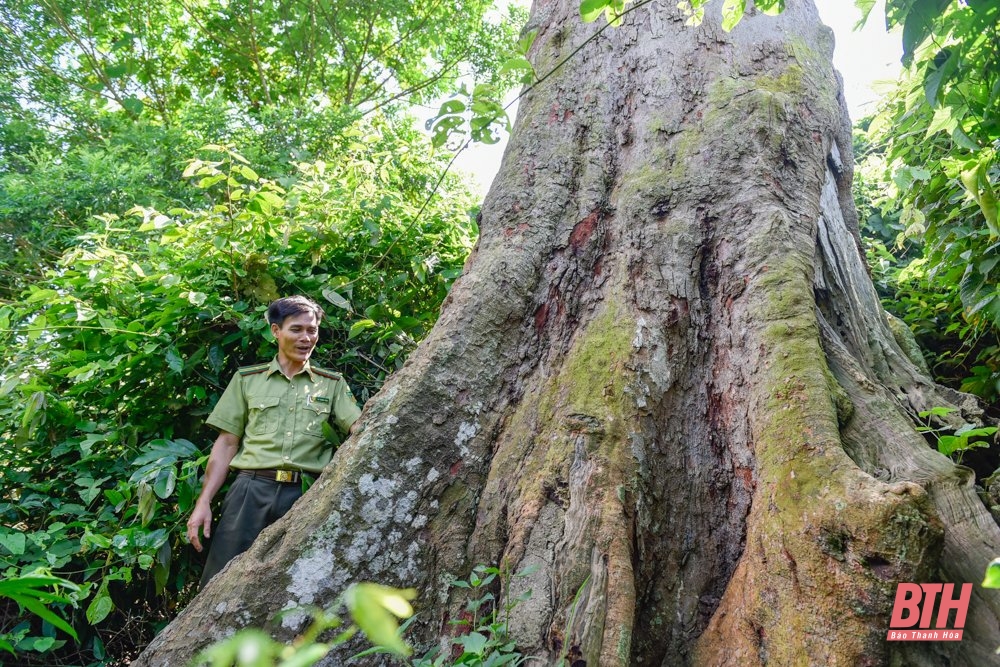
297,337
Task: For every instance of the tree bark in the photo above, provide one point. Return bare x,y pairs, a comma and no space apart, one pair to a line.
664,379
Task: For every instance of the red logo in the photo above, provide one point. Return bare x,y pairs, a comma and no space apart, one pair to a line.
914,607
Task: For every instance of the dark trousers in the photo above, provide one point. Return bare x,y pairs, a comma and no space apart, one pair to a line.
251,505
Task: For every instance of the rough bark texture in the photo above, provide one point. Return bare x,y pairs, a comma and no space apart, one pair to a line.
665,379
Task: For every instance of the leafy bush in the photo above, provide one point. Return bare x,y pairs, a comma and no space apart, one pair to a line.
935,138
115,357
482,636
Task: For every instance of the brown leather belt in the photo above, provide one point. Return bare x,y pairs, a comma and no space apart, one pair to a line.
282,476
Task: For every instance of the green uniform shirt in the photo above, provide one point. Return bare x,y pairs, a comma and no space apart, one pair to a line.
280,421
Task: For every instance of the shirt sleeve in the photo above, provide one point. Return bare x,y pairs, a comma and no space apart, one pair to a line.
345,408
230,413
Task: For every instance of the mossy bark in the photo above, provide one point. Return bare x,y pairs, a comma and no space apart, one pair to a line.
664,380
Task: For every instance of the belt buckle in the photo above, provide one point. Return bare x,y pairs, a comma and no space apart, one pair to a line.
284,476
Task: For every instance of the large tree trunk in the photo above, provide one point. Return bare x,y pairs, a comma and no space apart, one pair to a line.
665,379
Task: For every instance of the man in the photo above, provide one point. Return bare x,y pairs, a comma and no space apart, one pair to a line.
270,421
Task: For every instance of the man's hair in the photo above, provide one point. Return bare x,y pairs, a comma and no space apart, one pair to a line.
291,306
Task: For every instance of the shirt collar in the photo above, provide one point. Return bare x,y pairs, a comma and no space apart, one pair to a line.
273,368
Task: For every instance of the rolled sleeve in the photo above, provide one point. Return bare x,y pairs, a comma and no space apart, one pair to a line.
230,413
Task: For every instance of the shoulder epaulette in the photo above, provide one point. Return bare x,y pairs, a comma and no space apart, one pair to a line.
257,368
333,375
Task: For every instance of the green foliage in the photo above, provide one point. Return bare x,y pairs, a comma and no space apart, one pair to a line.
49,192
484,640
992,577
479,111
113,359
479,114
136,58
732,10
961,439
932,154
33,593
129,294
102,100
373,608
591,10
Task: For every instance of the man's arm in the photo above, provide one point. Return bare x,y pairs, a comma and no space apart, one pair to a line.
223,451
345,409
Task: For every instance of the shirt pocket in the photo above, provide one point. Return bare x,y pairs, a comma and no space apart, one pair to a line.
316,414
264,414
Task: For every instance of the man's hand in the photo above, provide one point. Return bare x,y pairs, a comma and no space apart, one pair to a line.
222,454
201,520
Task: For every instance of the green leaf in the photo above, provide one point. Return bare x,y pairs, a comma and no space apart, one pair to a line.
938,75
613,12
248,173
866,7
472,642
43,644
91,487
208,181
949,444
162,570
937,411
358,327
591,9
100,606
444,128
133,105
14,542
770,7
732,13
123,42
116,71
959,136
918,24
306,656
525,42
946,119
375,608
165,482
992,578
37,328
169,451
336,299
41,611
147,503
174,360
451,107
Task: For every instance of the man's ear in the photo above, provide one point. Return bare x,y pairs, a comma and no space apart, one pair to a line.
274,331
